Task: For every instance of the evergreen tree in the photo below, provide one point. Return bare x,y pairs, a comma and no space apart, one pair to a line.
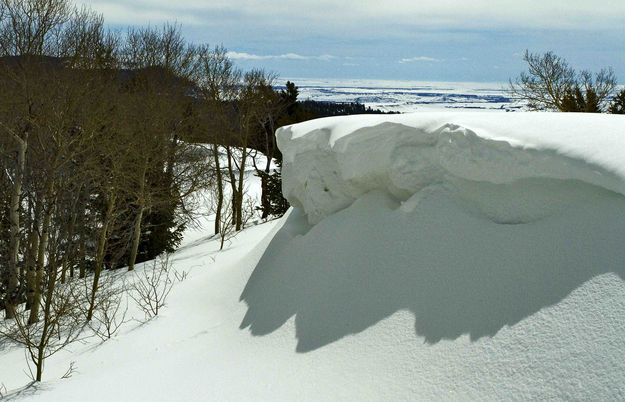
618,103
275,205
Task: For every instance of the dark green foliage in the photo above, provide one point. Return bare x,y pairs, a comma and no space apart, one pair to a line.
574,100
327,109
160,233
618,103
272,202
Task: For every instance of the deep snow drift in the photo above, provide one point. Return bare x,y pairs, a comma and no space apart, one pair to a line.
502,234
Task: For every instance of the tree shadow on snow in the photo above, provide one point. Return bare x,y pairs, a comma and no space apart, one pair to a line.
31,389
457,271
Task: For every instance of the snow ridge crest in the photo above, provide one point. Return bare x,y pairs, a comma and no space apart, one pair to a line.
329,163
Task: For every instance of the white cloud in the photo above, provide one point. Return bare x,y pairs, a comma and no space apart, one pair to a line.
420,59
287,56
131,14
330,15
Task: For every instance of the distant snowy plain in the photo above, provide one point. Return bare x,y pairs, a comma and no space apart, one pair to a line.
409,96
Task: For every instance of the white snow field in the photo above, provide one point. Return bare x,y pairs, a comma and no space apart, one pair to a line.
443,256
410,96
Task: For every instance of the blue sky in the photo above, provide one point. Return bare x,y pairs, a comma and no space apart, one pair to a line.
424,40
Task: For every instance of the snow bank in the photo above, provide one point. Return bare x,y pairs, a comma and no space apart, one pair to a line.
451,257
329,163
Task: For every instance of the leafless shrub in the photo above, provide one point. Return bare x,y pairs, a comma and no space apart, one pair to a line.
249,211
70,371
181,276
111,307
152,286
61,323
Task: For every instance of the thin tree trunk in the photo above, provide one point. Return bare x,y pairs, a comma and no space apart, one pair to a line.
68,235
136,238
82,239
14,218
41,254
233,185
47,324
100,253
31,254
82,254
220,189
239,199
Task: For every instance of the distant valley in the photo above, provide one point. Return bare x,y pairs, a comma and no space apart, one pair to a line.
409,96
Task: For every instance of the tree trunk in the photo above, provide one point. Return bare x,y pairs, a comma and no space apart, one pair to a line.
14,218
136,236
47,320
82,256
220,189
233,185
100,253
69,254
31,254
239,199
41,254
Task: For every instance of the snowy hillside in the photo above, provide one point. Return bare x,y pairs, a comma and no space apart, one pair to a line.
434,256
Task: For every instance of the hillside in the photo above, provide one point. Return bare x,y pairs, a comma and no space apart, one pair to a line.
427,257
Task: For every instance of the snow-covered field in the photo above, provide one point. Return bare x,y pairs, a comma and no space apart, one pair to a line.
409,96
436,256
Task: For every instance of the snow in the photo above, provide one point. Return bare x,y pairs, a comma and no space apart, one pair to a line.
409,96
329,163
480,261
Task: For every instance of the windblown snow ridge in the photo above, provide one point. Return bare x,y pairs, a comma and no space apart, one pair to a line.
329,163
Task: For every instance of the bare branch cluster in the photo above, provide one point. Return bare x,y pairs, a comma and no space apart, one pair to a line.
152,287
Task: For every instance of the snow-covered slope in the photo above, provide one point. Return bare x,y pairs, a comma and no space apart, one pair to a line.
449,257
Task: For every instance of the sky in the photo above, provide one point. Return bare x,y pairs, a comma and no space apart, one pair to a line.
422,40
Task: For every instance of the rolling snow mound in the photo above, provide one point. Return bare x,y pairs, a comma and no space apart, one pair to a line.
458,256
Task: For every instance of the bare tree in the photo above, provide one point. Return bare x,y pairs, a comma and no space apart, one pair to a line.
111,307
256,103
551,84
218,82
